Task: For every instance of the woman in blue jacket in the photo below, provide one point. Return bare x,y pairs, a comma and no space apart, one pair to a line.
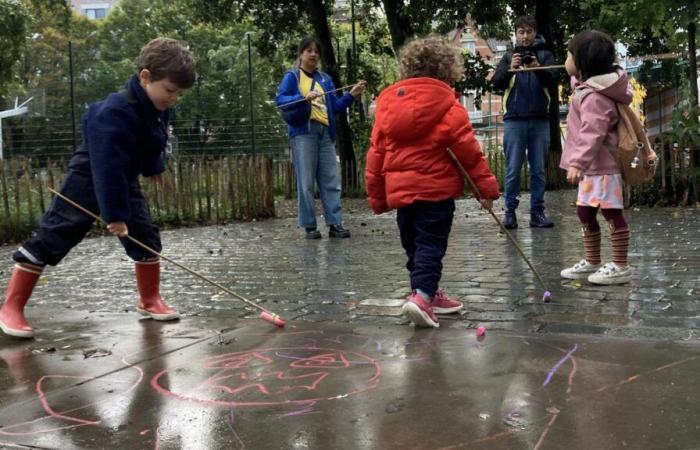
311,128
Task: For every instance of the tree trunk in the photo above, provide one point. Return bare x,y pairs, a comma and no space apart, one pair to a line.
399,23
555,176
693,75
319,21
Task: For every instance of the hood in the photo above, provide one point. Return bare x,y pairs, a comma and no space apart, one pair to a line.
412,107
613,85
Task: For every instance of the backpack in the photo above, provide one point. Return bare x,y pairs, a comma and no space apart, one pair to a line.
634,155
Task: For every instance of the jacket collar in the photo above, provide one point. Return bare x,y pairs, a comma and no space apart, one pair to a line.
144,103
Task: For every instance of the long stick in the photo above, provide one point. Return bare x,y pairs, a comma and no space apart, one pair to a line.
304,99
530,69
149,249
469,181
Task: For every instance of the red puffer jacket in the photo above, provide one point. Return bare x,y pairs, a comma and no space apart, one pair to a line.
416,121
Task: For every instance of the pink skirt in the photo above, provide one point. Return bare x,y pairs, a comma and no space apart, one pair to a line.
604,191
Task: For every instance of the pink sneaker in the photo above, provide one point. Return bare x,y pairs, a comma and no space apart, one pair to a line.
419,311
442,304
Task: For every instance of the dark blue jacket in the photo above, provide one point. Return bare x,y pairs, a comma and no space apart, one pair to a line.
525,93
288,91
123,137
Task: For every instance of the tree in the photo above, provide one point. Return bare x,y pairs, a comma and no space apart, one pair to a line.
13,26
285,22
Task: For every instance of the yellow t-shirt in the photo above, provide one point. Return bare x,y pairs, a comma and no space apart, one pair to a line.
319,112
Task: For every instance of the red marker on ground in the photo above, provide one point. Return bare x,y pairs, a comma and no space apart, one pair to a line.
272,318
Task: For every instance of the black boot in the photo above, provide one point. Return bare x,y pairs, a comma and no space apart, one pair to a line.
539,220
510,222
313,233
338,231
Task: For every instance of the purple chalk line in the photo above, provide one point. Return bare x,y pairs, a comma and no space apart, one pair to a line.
550,374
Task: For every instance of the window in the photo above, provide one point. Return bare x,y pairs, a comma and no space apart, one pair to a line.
95,13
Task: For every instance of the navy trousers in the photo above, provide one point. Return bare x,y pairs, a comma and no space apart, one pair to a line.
63,226
425,227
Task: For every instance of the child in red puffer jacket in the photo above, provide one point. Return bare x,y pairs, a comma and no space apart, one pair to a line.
409,169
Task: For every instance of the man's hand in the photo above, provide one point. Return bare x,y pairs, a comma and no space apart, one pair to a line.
486,203
516,61
573,175
118,228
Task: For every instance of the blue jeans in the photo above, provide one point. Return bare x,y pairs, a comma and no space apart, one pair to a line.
315,161
519,135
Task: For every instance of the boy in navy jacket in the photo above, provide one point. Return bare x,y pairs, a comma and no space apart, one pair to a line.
124,137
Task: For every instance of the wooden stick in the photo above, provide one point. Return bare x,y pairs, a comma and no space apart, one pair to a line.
304,99
149,249
472,185
530,69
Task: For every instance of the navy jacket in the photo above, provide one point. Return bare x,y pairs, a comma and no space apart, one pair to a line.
124,136
288,91
525,93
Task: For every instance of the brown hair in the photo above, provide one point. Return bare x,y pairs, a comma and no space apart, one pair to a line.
432,57
168,58
526,22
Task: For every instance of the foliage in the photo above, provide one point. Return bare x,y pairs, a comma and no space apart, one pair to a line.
13,25
474,81
639,93
685,120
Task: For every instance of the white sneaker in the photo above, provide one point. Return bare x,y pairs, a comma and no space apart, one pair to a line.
580,271
611,273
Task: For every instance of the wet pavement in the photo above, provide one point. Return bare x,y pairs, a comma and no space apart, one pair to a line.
598,367
114,382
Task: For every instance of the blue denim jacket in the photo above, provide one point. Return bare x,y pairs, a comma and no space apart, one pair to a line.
288,91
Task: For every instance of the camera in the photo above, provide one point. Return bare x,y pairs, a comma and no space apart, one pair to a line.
527,56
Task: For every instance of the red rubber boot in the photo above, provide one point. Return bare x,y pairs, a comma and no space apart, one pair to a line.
148,283
22,282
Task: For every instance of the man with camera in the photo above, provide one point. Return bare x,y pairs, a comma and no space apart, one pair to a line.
526,118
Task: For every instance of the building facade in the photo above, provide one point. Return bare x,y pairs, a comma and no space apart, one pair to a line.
94,9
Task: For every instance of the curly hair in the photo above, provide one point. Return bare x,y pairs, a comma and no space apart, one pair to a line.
432,57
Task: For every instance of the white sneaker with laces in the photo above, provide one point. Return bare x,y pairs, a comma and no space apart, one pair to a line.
580,271
611,273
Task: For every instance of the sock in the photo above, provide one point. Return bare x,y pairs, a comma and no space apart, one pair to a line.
425,296
591,246
620,240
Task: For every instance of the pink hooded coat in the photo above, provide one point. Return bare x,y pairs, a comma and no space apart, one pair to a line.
592,123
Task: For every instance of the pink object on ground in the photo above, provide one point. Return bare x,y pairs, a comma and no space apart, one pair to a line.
272,318
480,330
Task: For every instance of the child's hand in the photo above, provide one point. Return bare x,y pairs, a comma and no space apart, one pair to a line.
486,203
118,228
573,175
311,96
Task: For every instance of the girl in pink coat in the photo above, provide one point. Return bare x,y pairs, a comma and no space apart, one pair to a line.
598,84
